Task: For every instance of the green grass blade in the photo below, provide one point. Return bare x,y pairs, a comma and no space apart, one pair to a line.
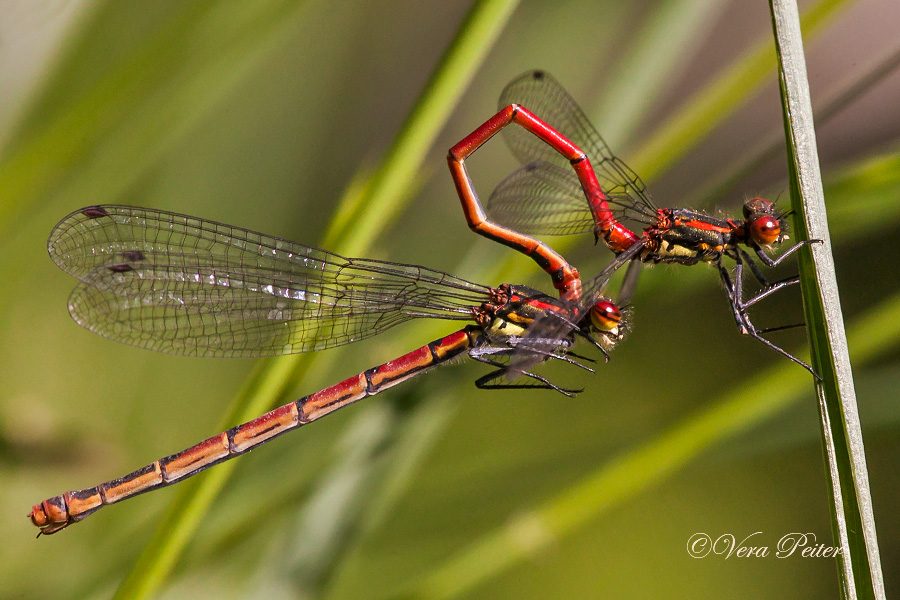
852,89
383,200
393,179
126,116
853,523
869,194
193,500
650,62
717,100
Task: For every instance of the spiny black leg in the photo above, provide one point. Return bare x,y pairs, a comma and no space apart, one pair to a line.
780,328
533,349
772,262
562,357
730,286
591,339
733,288
764,293
580,357
567,358
783,352
484,382
754,268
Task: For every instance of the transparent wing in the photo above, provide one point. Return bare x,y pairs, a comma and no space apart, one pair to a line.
183,285
541,198
593,290
545,97
546,332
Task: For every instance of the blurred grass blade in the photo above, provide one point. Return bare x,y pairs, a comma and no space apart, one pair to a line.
462,59
852,518
652,58
854,87
484,22
134,108
717,100
380,452
195,496
869,194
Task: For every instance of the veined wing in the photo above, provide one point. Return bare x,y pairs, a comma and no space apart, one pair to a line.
541,198
545,97
183,285
593,289
545,333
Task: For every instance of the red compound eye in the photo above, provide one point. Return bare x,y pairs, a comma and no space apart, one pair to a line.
605,316
765,230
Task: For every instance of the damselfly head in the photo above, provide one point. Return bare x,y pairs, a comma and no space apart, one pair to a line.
605,316
610,321
764,225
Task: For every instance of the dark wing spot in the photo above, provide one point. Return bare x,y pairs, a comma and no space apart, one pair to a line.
134,255
94,212
120,268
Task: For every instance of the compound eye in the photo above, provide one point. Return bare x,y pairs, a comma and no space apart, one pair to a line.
756,206
765,230
605,316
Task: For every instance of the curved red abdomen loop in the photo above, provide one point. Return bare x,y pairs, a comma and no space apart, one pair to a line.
617,237
565,277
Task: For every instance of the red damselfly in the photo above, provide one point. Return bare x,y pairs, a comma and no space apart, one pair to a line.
183,285
571,182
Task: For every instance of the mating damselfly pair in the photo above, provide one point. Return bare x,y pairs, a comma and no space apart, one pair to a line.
184,285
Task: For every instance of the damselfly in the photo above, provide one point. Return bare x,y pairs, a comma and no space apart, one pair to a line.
571,182
183,285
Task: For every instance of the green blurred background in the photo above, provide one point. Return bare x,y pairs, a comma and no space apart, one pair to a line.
262,115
